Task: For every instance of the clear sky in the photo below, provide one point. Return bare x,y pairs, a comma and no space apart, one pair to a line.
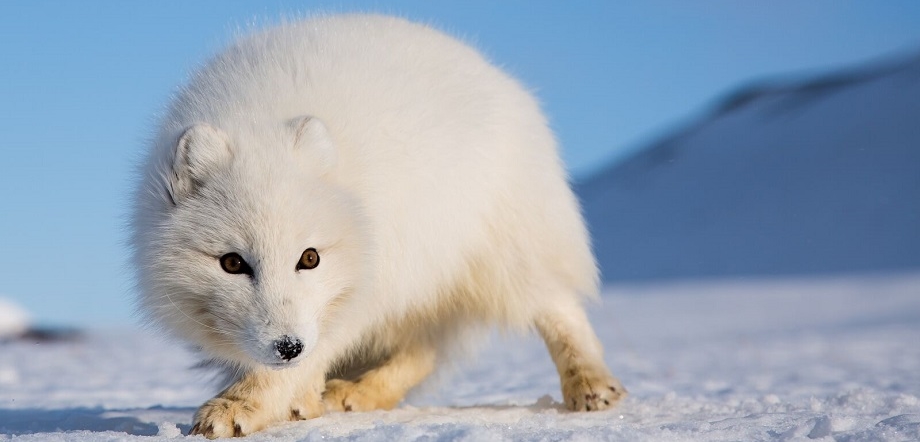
81,83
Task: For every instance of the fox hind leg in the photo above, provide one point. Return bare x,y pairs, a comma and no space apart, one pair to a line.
587,384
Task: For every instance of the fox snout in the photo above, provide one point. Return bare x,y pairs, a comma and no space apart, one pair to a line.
287,347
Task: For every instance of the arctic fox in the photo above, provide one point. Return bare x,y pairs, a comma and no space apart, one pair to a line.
329,204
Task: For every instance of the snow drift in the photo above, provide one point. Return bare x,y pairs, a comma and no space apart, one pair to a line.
784,178
14,321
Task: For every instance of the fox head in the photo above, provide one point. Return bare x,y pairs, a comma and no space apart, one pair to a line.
244,244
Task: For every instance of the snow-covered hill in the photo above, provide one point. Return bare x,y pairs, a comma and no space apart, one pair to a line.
791,360
785,178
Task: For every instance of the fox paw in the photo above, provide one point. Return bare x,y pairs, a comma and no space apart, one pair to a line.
221,417
591,390
307,408
343,395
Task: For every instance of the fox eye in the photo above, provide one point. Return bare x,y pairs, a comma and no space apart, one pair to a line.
308,260
234,264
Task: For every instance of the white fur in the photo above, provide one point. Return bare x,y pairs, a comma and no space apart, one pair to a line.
426,178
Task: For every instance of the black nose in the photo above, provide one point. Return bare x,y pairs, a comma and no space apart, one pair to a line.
288,348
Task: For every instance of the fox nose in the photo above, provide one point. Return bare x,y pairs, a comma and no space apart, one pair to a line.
288,348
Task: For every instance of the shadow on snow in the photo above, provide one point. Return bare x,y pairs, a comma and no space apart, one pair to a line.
37,421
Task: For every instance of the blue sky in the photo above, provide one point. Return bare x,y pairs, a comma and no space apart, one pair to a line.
81,84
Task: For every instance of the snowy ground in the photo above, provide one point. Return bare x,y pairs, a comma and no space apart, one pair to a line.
795,360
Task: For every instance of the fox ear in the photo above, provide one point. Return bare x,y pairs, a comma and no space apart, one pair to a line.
200,152
311,137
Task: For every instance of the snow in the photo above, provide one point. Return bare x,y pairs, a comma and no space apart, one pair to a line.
14,321
790,359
